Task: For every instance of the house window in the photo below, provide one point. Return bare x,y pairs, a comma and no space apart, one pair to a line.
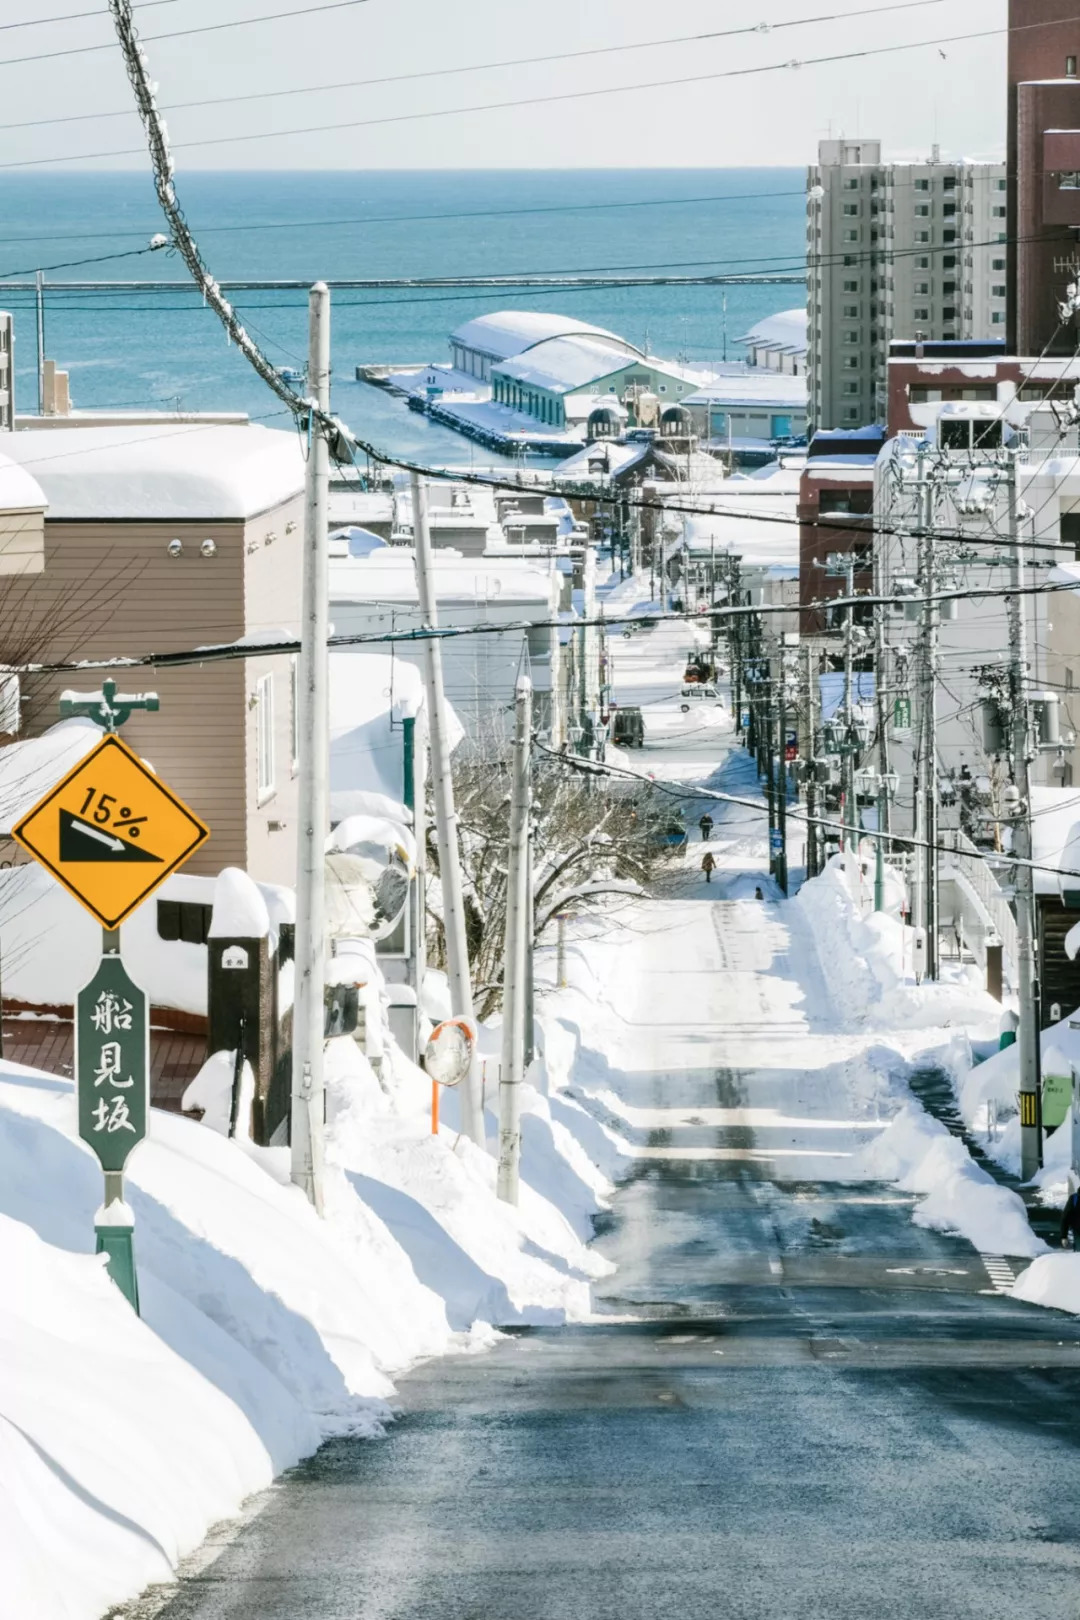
851,312
1070,531
851,388
997,213
922,210
921,314
264,737
183,920
851,236
294,696
851,209
922,287
851,286
998,291
997,317
922,185
922,236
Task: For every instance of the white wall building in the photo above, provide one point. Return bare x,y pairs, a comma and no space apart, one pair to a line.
895,250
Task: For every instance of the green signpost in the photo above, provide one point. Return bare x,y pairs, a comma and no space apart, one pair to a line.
111,832
112,1067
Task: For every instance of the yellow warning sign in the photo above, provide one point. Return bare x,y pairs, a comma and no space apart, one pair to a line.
110,832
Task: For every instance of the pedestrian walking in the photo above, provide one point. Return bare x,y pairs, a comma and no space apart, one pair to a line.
706,827
708,866
1070,1216
758,894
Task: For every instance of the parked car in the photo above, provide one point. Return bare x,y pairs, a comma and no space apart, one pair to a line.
628,728
705,693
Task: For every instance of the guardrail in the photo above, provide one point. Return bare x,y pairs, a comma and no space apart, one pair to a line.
978,884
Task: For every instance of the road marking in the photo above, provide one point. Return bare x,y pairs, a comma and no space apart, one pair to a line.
1000,1272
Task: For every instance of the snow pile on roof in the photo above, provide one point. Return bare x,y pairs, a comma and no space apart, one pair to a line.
785,333
1055,837
264,1330
19,492
758,527
183,472
569,362
922,1156
390,576
508,331
371,694
28,769
764,389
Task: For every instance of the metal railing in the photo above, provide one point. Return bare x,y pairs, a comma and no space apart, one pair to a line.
975,874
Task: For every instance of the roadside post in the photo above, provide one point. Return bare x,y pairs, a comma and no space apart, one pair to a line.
448,1058
111,832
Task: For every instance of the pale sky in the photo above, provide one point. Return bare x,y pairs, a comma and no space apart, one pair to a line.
952,94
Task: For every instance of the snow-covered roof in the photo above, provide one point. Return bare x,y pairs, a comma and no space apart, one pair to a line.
19,491
786,332
508,331
569,362
28,769
157,473
390,576
619,457
753,387
763,531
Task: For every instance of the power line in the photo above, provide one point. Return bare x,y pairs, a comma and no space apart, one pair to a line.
180,33
472,67
519,101
73,16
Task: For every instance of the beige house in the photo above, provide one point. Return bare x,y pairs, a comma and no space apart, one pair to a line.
163,538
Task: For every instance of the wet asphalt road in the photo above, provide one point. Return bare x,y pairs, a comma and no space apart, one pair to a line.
792,1402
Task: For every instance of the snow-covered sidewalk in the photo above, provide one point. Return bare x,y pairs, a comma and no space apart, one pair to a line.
264,1329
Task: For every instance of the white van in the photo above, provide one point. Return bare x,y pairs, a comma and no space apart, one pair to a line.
702,693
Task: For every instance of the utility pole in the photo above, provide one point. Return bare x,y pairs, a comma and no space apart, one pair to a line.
809,755
442,791
782,782
1029,1034
847,758
39,301
515,969
307,1117
930,613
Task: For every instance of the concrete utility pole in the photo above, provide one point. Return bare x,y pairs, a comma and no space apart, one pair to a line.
810,762
442,784
39,302
517,951
782,780
313,682
930,792
1028,1035
847,758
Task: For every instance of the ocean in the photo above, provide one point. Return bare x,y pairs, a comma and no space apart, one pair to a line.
128,349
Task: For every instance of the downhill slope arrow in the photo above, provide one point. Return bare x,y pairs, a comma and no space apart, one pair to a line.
82,841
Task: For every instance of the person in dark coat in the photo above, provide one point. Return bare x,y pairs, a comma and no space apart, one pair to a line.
1070,1220
708,866
706,827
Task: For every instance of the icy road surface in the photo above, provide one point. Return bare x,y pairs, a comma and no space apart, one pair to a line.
791,1401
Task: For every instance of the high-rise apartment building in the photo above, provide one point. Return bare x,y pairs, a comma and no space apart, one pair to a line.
895,250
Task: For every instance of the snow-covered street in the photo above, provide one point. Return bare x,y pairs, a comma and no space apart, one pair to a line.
799,1391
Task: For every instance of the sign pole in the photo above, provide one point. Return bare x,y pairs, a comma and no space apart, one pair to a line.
111,833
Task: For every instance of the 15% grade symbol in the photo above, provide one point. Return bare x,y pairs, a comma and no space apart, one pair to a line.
448,1058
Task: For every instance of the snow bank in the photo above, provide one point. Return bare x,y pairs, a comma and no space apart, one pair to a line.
1052,1279
868,961
918,1153
264,1329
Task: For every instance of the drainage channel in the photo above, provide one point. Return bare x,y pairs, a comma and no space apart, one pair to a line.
933,1088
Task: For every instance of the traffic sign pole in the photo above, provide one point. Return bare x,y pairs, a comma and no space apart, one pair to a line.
111,832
